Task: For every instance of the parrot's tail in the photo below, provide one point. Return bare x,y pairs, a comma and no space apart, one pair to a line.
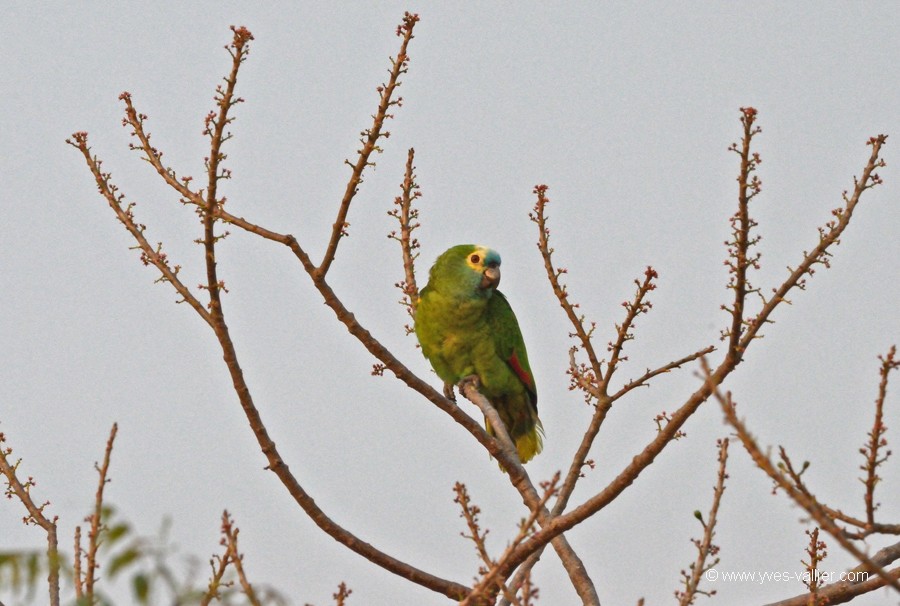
528,444
532,443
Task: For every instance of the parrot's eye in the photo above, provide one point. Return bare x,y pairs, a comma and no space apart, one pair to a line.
475,259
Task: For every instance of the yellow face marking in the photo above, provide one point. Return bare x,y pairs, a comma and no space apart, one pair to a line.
475,259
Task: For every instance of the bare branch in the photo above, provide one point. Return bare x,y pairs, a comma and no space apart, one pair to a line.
212,210
643,379
370,139
150,255
485,590
668,432
856,582
219,565
342,594
807,501
816,552
96,518
538,216
739,258
215,129
491,575
829,236
872,450
21,491
598,385
705,546
407,216
230,541
581,581
589,378
78,577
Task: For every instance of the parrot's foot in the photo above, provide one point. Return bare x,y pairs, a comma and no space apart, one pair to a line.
472,380
448,392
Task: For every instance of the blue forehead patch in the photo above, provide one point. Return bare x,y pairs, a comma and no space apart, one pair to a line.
491,256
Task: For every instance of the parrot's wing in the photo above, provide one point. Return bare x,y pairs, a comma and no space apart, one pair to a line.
509,343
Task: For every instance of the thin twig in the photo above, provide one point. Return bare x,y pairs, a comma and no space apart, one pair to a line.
589,378
22,492
816,551
342,594
597,384
486,589
876,437
470,513
624,333
77,575
705,546
230,540
150,255
219,565
96,518
215,129
370,139
644,378
215,211
581,581
807,501
740,260
855,582
828,237
525,529
538,216
407,215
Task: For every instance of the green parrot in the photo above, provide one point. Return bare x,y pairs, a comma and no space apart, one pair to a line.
466,327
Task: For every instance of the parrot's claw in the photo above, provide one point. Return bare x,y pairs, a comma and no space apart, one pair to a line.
448,392
472,380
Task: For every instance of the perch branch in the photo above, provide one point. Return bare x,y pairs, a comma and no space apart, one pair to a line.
519,477
213,210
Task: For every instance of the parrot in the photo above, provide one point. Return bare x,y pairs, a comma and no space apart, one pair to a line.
466,327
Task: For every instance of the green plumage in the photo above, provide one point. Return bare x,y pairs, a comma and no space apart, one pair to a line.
466,327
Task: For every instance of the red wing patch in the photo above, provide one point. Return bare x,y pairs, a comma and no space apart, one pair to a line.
524,376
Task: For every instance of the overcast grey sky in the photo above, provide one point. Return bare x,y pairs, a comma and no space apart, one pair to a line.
624,110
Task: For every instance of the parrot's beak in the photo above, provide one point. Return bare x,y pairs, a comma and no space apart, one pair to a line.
490,278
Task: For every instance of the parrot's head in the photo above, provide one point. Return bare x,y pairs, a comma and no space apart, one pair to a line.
466,270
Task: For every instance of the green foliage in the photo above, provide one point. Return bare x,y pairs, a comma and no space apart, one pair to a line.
20,572
141,586
152,570
123,560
